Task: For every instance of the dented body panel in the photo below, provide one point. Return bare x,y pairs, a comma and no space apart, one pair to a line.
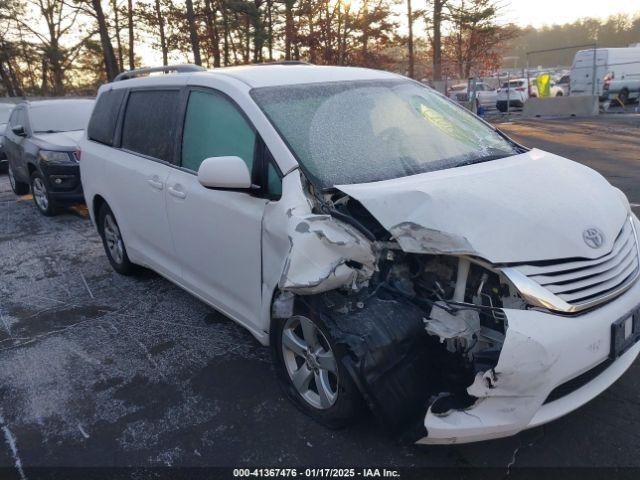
541,352
495,209
426,217
321,249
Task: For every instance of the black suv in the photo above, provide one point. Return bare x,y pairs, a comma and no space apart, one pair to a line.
40,144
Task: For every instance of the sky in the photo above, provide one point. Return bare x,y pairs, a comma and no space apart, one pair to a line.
541,12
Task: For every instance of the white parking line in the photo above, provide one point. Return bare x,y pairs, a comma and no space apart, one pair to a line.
635,205
11,442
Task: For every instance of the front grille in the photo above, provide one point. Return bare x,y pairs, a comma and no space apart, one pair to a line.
586,282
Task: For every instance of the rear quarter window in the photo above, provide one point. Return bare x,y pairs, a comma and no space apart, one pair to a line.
150,123
102,125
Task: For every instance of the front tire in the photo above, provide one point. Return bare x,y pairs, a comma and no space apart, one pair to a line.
311,373
41,195
18,187
113,243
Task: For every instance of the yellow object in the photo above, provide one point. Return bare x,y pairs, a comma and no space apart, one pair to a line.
543,82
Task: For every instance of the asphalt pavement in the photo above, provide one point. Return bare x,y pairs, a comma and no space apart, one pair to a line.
97,369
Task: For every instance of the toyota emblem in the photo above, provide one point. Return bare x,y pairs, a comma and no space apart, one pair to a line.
593,237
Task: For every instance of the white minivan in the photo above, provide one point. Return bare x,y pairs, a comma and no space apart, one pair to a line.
397,253
610,64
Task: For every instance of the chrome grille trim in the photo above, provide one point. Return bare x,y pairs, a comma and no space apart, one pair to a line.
573,285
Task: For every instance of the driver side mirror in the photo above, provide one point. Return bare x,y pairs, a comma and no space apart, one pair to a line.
19,131
224,172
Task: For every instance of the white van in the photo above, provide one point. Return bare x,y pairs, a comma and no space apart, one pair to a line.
387,244
610,63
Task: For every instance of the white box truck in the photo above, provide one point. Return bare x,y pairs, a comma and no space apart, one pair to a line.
610,63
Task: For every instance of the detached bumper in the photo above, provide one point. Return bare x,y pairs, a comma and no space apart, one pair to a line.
542,353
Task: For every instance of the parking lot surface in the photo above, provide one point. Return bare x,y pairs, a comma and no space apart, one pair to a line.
103,370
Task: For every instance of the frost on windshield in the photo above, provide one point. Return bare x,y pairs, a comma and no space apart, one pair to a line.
60,116
356,132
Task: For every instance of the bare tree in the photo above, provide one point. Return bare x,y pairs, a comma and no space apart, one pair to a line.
132,62
435,20
289,28
193,33
475,39
210,14
58,19
410,40
161,32
116,23
110,63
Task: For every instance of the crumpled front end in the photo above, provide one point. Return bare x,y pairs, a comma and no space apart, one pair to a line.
441,342
549,366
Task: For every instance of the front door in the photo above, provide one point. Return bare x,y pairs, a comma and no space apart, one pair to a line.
217,233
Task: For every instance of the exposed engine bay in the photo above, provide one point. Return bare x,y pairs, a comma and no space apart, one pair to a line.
413,329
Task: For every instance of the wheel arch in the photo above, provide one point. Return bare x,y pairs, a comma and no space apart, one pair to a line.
96,204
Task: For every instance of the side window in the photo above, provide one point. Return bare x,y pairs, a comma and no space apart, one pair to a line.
150,123
17,117
103,121
213,127
274,182
271,180
13,118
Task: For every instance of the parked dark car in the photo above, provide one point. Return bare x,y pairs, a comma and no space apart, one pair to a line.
40,143
5,111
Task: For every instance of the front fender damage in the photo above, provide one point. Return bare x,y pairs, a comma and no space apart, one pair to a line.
417,327
325,255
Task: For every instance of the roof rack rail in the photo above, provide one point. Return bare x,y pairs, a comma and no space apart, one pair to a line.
165,68
283,62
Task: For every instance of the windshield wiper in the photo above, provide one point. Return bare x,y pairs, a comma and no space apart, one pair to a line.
485,158
47,131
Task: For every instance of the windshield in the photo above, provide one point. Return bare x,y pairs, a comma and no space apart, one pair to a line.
60,116
365,131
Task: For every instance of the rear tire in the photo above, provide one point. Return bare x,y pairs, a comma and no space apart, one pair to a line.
18,187
41,196
311,373
113,243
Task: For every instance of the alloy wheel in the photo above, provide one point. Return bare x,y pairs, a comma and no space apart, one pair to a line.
113,238
40,194
310,362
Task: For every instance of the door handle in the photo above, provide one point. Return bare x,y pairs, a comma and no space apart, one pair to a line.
176,192
157,184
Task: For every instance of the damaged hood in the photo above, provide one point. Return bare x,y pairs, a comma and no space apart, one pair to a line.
528,207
